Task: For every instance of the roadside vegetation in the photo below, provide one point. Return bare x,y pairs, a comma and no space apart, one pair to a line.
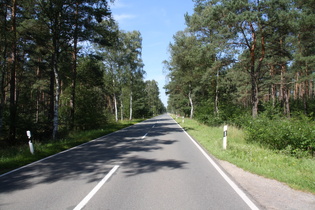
68,74
296,169
66,66
12,157
249,64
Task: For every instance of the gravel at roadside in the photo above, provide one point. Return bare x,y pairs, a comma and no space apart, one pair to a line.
270,194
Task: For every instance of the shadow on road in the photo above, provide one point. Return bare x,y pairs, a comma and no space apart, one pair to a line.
138,165
93,160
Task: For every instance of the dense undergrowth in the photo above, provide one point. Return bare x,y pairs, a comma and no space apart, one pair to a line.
293,136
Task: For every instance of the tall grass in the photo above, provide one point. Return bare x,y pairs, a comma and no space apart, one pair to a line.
298,173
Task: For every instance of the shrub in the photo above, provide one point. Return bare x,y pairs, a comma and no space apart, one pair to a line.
296,134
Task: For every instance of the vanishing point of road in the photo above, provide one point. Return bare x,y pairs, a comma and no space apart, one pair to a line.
151,165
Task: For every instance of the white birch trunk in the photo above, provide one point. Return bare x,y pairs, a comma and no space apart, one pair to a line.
56,106
191,105
130,114
115,105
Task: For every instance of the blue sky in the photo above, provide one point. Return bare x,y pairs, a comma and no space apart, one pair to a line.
157,21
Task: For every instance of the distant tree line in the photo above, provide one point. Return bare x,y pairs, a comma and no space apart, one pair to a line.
243,56
65,65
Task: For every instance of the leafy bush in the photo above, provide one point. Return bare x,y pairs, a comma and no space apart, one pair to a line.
291,135
230,114
240,120
210,119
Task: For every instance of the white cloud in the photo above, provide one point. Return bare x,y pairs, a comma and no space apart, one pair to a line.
122,17
118,4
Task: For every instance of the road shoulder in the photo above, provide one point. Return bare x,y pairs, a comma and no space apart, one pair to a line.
270,194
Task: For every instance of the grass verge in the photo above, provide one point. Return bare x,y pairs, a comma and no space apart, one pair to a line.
298,173
17,156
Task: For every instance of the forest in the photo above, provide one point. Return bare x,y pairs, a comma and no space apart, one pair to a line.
65,65
250,63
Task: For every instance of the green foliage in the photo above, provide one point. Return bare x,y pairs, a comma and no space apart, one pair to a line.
90,109
293,135
153,101
124,76
205,114
236,56
71,66
43,36
230,114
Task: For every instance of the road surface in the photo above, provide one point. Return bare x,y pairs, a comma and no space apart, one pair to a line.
151,165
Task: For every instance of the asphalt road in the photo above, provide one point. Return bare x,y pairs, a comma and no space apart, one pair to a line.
151,165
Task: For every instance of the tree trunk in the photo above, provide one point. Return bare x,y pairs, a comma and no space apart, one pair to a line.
115,106
191,105
3,72
121,108
255,100
2,100
73,85
273,87
13,77
254,81
287,101
55,57
305,96
38,94
312,92
285,92
296,87
56,97
130,107
51,97
216,101
255,70
56,107
74,69
273,95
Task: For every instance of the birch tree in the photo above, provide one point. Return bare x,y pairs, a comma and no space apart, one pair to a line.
184,67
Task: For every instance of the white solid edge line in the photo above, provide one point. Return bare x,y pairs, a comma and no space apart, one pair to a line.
227,179
95,189
144,136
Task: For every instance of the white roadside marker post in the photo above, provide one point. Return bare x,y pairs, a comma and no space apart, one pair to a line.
28,133
224,137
